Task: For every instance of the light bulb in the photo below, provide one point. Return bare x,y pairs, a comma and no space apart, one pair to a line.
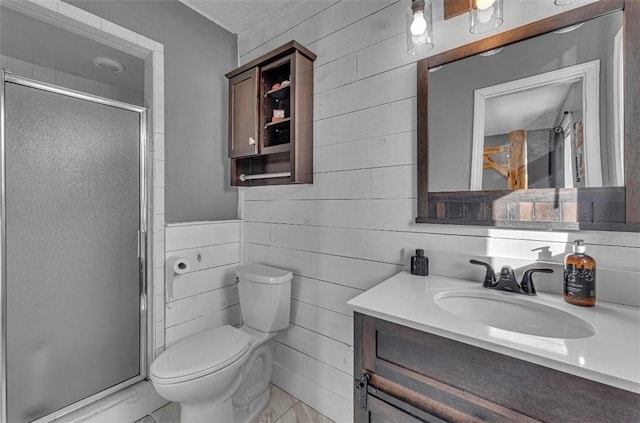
419,24
484,15
484,4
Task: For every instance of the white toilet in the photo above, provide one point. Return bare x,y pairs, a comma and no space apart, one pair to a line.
222,375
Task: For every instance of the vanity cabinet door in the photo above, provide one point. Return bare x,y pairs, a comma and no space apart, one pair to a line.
379,411
383,408
457,382
391,356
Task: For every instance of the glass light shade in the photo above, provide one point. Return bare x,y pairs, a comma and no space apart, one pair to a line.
562,2
419,27
486,15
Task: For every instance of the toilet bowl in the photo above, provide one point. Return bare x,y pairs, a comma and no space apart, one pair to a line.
223,374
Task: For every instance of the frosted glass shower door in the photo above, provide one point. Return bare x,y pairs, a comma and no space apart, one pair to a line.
72,267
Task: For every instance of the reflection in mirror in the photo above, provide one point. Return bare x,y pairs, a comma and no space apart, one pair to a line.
542,127
541,113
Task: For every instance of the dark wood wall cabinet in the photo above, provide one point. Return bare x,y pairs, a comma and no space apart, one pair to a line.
405,375
271,118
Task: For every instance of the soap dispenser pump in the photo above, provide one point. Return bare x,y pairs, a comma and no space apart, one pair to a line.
419,264
580,277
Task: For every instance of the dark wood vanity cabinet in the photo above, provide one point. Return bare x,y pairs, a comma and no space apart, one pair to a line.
405,375
271,118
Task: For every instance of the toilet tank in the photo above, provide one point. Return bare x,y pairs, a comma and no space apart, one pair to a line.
265,296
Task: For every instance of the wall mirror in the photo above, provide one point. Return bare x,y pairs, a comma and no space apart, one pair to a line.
528,126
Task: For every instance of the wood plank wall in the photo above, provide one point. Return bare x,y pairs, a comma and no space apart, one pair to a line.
354,226
205,297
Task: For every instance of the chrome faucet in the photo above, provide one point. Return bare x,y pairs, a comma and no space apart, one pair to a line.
506,280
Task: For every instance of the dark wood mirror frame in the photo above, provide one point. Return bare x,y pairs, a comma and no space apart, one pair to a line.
616,208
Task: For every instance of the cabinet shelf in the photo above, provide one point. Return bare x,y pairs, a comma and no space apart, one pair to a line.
276,149
279,93
257,145
278,123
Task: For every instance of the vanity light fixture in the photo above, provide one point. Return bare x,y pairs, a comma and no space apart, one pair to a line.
562,2
486,15
419,27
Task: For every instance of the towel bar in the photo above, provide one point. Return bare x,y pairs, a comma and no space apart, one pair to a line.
244,177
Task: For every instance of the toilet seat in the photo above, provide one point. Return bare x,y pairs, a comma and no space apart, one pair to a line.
200,354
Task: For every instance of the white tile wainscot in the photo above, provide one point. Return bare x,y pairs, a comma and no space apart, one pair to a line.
206,296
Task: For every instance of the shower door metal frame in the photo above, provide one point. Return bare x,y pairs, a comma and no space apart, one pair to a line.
144,176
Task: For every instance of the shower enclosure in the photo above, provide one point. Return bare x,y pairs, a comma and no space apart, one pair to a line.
72,232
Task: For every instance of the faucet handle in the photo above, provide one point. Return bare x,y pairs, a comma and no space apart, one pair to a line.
527,280
490,277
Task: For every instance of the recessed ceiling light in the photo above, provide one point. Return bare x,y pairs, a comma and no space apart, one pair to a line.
491,52
107,64
568,28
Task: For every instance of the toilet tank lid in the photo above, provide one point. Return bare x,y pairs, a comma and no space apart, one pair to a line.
263,274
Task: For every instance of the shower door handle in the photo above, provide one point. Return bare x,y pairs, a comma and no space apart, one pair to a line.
143,286
143,303
142,277
142,244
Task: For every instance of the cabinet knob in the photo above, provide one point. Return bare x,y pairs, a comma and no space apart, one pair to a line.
252,141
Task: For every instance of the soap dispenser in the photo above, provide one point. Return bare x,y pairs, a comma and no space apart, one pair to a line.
580,277
419,264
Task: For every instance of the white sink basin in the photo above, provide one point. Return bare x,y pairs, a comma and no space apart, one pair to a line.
513,312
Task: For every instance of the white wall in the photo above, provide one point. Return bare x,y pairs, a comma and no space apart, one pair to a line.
206,296
198,53
353,227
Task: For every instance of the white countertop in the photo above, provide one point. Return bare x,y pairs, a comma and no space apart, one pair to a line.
611,356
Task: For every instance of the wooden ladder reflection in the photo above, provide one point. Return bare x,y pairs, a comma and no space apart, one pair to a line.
515,170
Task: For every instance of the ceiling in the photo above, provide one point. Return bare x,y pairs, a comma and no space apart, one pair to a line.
537,108
34,41
237,16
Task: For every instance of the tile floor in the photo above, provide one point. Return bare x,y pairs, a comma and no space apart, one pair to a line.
282,408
